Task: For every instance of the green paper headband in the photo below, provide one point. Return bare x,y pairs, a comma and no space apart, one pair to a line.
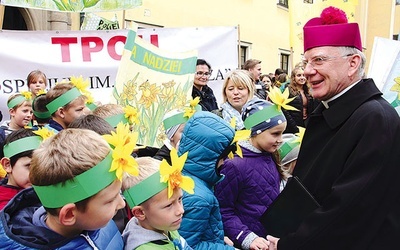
286,147
78,188
262,115
91,106
63,100
21,145
115,119
17,100
174,120
144,190
42,115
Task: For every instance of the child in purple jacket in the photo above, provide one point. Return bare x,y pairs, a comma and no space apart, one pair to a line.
251,182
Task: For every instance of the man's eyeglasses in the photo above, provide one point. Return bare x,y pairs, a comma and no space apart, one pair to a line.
201,73
320,60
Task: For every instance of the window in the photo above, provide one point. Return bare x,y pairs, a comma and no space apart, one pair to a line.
284,3
284,62
396,37
397,2
308,1
244,53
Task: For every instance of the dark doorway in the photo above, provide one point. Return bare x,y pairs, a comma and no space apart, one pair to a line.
13,19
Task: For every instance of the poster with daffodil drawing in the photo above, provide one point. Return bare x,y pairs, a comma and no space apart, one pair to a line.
384,68
153,82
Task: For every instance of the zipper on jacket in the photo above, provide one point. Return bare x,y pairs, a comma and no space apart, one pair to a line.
89,240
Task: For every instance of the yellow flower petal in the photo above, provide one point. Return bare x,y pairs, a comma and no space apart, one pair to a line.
281,99
187,184
44,132
239,151
27,95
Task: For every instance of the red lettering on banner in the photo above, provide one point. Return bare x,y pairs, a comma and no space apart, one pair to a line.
111,46
92,44
64,42
153,39
87,50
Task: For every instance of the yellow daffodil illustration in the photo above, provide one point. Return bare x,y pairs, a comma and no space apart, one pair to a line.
396,87
129,91
281,99
172,174
149,93
45,133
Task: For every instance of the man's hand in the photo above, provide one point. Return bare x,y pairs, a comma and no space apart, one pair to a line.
273,242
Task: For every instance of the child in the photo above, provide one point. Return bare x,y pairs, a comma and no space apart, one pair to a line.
112,113
156,207
75,194
288,152
20,109
17,150
65,103
40,112
92,122
174,122
252,182
206,137
37,81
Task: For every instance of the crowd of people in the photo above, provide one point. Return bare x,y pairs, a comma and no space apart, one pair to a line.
74,176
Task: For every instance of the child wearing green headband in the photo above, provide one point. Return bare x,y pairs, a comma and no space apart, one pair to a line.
74,197
65,103
156,217
16,159
20,109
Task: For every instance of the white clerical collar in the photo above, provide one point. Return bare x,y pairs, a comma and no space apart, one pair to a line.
326,103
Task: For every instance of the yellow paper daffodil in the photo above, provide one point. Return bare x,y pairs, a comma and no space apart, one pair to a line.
189,111
27,95
121,136
123,161
194,102
80,83
300,134
3,173
41,92
172,174
89,98
240,135
131,114
281,99
45,133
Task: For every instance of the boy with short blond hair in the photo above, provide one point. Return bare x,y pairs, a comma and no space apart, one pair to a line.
76,192
20,110
156,205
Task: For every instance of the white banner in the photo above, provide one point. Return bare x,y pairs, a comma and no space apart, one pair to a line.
384,68
96,54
